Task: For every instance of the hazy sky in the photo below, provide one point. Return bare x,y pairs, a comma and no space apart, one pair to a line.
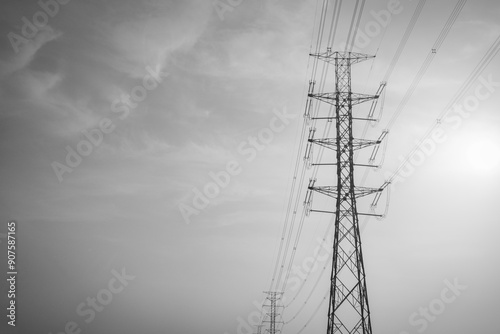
115,115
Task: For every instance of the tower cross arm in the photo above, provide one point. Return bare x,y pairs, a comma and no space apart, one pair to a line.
335,98
330,56
331,143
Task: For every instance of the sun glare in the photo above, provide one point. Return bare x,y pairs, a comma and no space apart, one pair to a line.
483,154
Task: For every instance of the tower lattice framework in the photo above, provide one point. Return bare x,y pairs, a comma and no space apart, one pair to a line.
348,310
273,316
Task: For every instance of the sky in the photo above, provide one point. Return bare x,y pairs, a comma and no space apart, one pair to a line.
148,151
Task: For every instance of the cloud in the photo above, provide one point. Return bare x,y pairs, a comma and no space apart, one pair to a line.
28,51
147,36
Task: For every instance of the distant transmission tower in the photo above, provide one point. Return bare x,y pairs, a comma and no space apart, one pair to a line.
273,316
348,310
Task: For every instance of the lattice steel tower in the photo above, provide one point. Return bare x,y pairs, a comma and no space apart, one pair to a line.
348,310
273,315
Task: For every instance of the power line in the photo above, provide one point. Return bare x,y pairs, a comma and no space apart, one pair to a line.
351,42
288,236
281,257
425,65
421,72
399,50
314,313
404,39
402,44
483,63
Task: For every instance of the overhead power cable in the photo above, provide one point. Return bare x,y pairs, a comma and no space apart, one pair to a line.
424,67
289,221
473,76
404,39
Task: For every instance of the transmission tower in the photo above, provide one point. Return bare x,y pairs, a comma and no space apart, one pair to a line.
348,310
273,315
